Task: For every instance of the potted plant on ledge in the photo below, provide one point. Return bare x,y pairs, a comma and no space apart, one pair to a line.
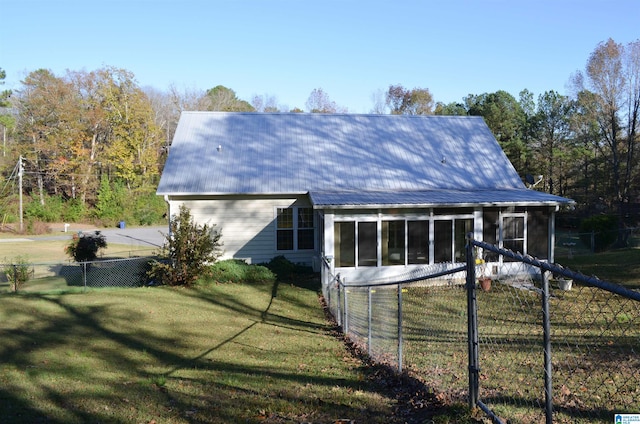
483,280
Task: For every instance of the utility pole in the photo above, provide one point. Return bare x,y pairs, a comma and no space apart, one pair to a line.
20,190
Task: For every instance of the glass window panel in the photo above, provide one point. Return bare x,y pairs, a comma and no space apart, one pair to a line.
285,218
393,242
284,231
513,234
345,243
418,242
306,239
490,224
443,241
305,218
285,240
513,227
367,244
462,227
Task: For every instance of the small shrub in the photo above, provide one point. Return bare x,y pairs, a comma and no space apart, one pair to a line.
238,271
604,228
84,246
187,253
17,272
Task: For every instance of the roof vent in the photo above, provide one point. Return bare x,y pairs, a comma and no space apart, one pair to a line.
219,147
443,160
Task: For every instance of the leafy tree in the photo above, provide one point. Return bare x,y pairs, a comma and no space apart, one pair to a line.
450,109
84,246
402,101
553,121
134,141
221,98
4,94
188,251
504,116
591,184
7,121
73,129
47,124
111,200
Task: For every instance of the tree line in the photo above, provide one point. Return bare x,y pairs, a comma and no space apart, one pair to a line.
92,144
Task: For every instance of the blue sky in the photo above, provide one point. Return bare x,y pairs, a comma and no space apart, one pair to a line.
286,48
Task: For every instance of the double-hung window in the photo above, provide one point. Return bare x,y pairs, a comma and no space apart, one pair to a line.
295,228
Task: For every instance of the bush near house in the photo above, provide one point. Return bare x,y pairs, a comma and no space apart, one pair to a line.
290,272
238,271
188,251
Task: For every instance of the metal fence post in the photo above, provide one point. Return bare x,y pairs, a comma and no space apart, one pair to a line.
400,328
369,318
546,323
15,278
339,303
472,325
84,276
345,310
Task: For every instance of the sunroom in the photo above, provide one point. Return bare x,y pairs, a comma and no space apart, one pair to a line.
381,240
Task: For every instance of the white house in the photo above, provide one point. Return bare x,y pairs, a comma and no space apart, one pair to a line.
372,194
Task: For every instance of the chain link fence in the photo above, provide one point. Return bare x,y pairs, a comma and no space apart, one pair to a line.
541,344
74,276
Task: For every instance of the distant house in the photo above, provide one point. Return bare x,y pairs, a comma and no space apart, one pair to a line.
371,194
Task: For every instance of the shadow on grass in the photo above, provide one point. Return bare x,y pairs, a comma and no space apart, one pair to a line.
76,328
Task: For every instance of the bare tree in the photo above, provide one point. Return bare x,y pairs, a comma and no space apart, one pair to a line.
612,74
319,102
378,98
265,103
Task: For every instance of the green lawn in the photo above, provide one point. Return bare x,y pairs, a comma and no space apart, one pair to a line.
620,266
226,353
594,337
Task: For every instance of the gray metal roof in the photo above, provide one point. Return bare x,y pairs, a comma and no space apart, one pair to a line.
277,153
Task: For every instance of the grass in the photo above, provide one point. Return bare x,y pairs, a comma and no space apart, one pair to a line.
594,347
46,251
224,353
620,266
237,353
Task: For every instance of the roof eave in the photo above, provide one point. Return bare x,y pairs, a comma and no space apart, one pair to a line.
439,205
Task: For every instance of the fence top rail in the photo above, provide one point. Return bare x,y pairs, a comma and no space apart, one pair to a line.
559,270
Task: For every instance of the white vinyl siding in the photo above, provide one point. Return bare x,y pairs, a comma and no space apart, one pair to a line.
247,224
